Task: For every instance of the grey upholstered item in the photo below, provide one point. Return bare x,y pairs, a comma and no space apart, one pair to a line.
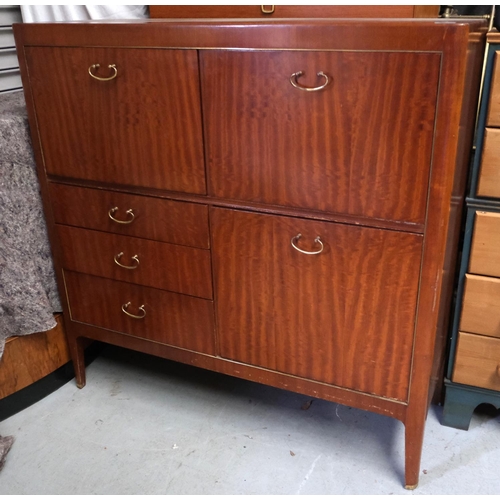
28,293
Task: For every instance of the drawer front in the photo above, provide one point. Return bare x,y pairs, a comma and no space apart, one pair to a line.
481,306
477,361
280,11
485,249
161,265
361,145
152,218
493,119
489,174
169,318
317,316
139,126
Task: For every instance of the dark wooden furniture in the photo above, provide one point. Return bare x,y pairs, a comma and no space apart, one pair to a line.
277,201
474,364
292,11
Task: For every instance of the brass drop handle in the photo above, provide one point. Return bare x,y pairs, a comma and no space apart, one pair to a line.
295,239
112,67
134,258
265,10
124,309
129,211
296,84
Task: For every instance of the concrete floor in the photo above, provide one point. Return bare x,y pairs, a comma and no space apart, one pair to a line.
148,426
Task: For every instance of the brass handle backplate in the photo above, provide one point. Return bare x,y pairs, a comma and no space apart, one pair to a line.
112,67
134,258
295,239
265,10
297,85
135,316
129,211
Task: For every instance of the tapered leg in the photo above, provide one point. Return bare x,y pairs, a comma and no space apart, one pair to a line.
414,440
77,356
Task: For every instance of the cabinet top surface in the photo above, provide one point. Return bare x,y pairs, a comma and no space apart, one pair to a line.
347,34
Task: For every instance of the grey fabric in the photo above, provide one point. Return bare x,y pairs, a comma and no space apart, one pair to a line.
6,443
28,293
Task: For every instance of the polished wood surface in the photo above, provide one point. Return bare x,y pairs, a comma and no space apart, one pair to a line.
156,219
382,406
485,248
477,361
493,118
316,316
290,11
481,306
153,100
29,358
336,150
159,265
457,45
489,175
171,318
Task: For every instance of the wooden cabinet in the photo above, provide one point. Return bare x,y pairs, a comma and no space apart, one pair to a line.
277,201
473,375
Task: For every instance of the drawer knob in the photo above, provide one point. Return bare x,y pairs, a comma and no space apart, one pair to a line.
297,85
264,9
295,239
135,316
129,212
100,78
134,258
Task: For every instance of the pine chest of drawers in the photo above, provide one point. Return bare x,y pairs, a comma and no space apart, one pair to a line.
277,201
474,366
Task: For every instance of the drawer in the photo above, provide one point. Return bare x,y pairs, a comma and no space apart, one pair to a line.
485,249
481,306
489,173
477,361
161,265
280,11
153,218
360,144
169,318
493,118
135,120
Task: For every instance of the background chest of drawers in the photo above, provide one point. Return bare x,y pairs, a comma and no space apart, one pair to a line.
474,364
277,201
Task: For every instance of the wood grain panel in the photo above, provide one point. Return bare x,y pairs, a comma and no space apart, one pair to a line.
477,361
485,247
29,358
171,318
142,128
154,218
481,306
489,174
243,264
353,147
288,11
493,118
322,312
161,265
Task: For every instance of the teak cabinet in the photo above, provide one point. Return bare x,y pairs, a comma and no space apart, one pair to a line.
473,375
278,201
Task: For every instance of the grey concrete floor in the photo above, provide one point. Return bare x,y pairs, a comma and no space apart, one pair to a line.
143,425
